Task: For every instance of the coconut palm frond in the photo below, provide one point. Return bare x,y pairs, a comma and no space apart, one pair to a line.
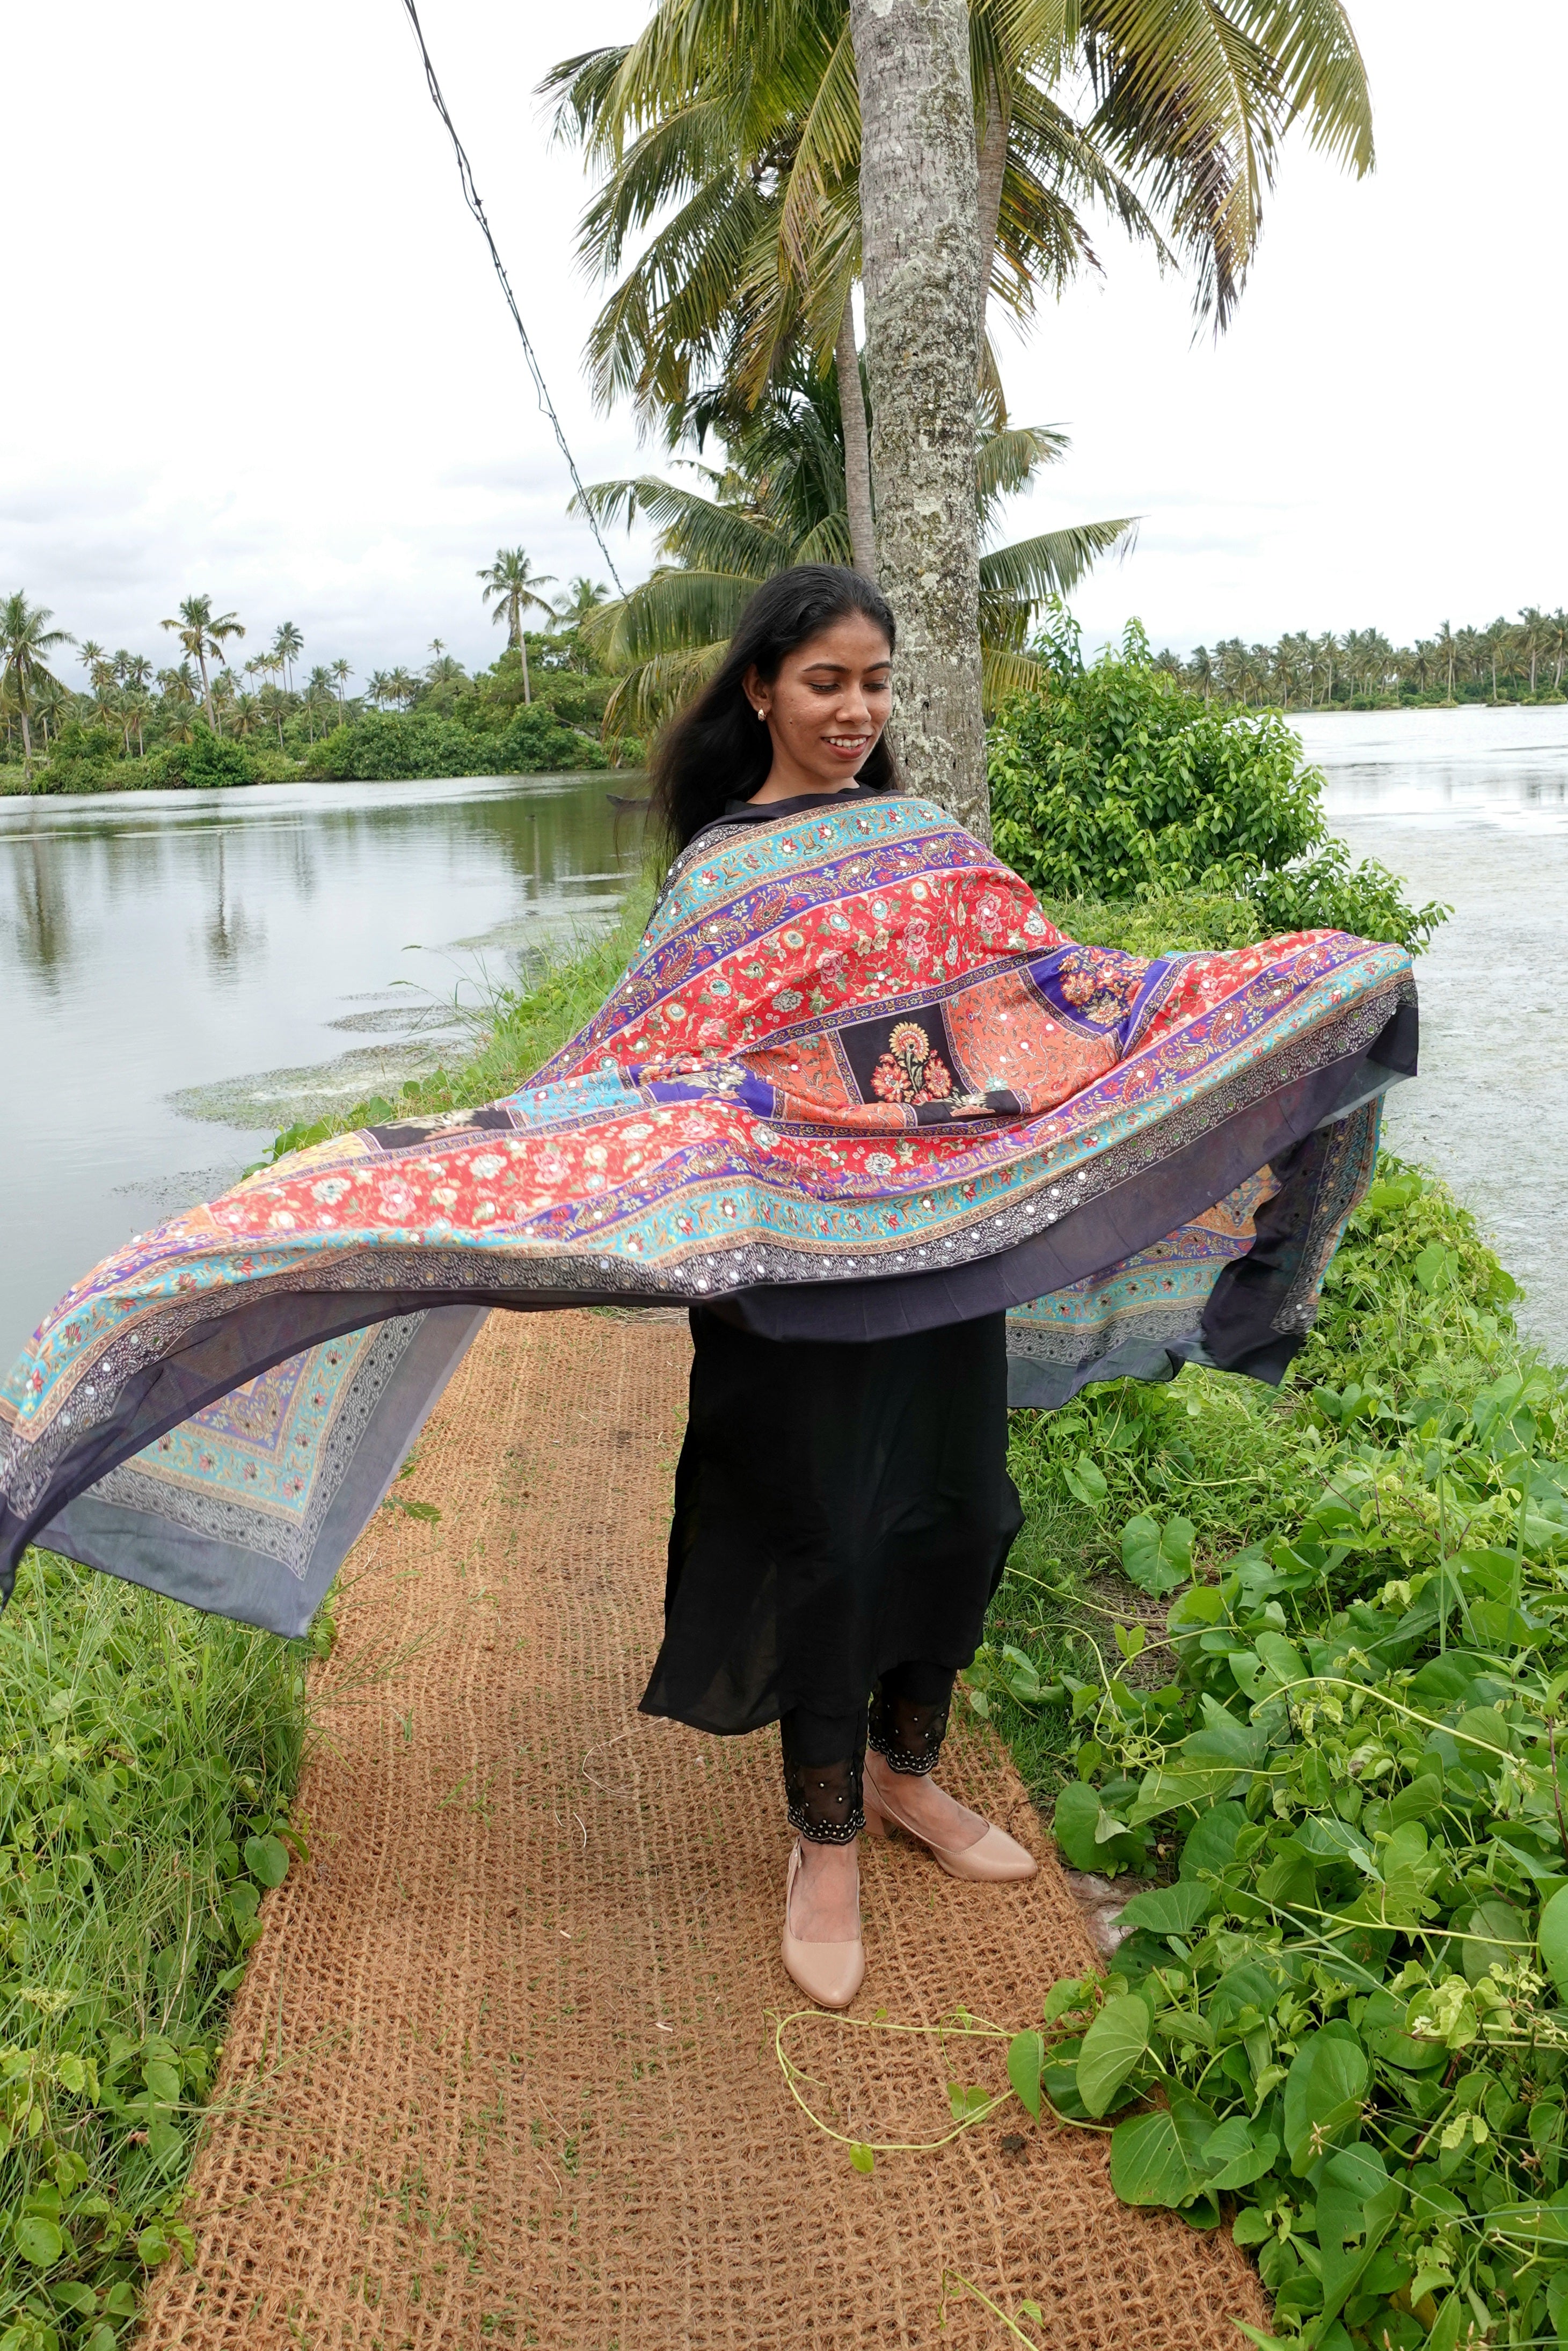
675,611
672,161
1007,459
828,543
828,153
1320,73
1052,563
673,309
691,528
581,88
642,700
1005,674
1189,105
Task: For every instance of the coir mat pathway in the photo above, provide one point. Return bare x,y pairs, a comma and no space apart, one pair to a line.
502,2068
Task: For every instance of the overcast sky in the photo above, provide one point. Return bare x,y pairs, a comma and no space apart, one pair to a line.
264,354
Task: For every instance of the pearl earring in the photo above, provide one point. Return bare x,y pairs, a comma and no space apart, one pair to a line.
761,713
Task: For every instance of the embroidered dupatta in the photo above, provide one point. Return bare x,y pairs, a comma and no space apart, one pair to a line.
854,1082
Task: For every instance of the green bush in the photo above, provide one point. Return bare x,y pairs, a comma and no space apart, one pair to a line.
275,767
84,759
1116,785
575,700
207,762
534,742
384,746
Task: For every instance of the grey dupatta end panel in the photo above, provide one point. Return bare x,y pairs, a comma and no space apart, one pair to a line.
1236,1287
249,1507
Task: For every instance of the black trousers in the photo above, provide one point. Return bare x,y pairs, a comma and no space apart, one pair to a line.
824,1753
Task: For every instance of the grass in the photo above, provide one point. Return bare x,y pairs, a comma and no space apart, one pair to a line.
148,1758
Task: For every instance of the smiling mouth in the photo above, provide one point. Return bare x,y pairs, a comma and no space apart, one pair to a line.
847,742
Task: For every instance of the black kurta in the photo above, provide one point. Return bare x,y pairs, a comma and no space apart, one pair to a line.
839,1509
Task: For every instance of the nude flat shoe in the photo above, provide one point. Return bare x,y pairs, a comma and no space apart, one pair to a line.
828,1973
994,1859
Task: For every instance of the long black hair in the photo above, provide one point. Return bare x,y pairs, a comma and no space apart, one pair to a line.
714,751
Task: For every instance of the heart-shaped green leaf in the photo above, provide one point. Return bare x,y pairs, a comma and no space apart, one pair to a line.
1237,2158
1112,2048
36,2240
1026,2055
266,1858
1158,2158
1170,1910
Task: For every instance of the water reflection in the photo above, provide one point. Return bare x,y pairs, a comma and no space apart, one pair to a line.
216,946
42,927
553,834
230,936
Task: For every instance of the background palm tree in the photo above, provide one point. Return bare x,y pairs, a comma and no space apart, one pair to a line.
177,698
340,672
513,584
780,499
274,706
581,601
134,672
52,700
102,680
441,667
26,637
318,698
201,632
287,647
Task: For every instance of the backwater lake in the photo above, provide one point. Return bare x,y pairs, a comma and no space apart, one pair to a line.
181,974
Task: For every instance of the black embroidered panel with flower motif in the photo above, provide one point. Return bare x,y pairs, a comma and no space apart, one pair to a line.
909,1059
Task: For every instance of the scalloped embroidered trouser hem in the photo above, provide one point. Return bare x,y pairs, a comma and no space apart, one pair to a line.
824,1754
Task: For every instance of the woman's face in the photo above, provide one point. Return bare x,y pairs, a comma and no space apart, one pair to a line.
828,703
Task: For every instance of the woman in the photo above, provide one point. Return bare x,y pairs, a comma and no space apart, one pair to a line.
854,1099
843,1510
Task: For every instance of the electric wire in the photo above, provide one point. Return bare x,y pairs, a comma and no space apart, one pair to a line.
471,197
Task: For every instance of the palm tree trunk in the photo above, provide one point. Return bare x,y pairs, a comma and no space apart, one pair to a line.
920,261
522,648
857,448
207,690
